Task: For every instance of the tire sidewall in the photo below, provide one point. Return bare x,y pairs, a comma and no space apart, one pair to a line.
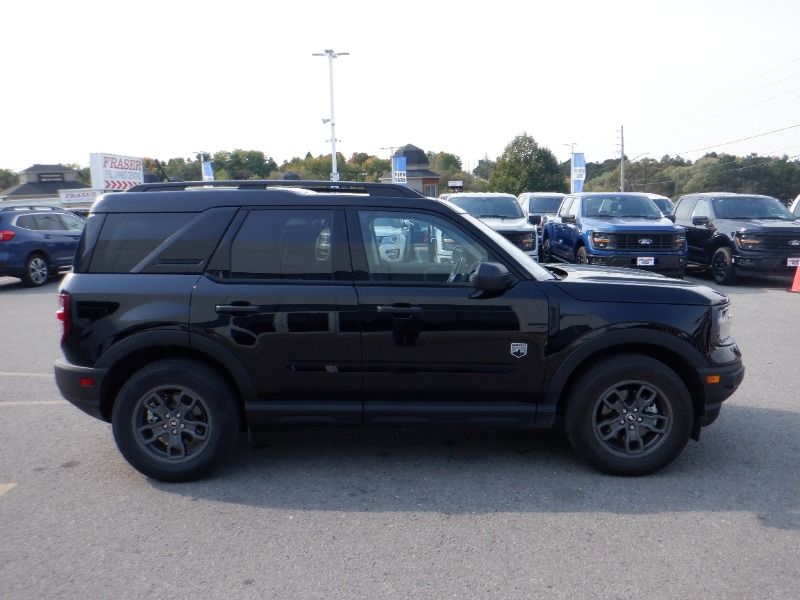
729,275
217,397
581,406
27,280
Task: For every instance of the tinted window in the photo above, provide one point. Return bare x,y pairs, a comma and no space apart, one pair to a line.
544,205
485,207
26,222
284,244
620,206
751,207
48,223
565,206
684,208
72,223
417,248
703,209
127,238
572,209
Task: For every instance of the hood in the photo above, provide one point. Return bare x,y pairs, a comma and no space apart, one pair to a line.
630,223
757,225
607,284
501,225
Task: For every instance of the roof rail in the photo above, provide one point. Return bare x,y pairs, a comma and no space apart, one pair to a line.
20,207
329,187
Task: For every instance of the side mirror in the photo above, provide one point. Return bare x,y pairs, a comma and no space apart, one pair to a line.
699,220
671,217
492,277
568,219
535,219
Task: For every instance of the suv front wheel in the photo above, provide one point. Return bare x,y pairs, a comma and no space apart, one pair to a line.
629,415
175,420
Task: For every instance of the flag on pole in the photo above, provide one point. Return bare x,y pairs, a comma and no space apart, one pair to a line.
399,173
578,172
208,171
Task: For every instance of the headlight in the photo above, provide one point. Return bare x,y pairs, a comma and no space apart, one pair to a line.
722,324
680,241
746,241
603,241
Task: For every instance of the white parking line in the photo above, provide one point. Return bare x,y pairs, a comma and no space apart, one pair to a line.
31,402
6,487
17,374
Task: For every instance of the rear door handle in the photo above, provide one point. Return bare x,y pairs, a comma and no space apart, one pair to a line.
236,309
400,310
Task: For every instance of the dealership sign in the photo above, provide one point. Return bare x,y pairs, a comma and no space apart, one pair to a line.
115,172
79,196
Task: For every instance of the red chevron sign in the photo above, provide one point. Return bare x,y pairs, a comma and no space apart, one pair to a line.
116,184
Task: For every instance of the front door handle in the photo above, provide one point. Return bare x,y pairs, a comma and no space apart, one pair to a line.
236,309
400,310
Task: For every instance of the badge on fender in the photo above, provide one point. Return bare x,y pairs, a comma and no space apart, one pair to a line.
518,349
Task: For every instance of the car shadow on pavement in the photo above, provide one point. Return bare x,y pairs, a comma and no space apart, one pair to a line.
745,462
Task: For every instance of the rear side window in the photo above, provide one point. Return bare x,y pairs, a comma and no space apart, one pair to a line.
49,223
26,222
284,244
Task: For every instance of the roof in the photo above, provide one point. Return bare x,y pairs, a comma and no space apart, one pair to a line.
413,154
42,188
49,169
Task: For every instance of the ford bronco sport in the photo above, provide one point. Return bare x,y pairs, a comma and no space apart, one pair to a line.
198,310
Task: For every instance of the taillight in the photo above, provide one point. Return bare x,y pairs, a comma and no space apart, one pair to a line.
6,235
64,314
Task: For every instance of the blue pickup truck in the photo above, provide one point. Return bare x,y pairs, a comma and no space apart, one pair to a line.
615,229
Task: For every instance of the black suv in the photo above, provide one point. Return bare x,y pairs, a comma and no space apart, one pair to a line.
730,233
198,310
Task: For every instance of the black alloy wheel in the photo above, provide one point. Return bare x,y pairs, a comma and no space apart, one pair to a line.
175,420
629,415
722,269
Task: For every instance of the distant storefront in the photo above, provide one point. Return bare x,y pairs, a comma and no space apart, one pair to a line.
418,173
46,185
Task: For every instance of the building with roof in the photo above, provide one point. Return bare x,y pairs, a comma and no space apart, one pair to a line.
418,172
41,184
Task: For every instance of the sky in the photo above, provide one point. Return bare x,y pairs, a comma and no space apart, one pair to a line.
172,78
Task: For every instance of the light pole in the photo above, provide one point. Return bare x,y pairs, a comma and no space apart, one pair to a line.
571,166
331,55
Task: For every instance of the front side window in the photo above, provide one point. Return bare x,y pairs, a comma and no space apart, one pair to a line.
751,207
417,248
703,209
72,223
284,244
565,207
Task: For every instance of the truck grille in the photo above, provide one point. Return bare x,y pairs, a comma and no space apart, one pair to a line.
637,241
781,242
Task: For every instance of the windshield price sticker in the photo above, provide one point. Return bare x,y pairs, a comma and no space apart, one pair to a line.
793,262
645,261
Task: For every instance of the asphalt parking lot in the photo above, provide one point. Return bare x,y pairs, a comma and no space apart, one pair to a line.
402,513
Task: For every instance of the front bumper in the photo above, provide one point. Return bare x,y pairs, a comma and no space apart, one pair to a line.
719,383
763,262
661,262
81,386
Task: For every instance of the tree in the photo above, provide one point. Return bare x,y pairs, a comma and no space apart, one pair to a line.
525,166
484,169
8,179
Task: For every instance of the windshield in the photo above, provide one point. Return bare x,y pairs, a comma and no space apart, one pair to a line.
545,205
751,207
488,207
664,205
619,206
531,266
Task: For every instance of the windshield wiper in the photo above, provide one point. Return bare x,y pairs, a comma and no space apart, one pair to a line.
493,217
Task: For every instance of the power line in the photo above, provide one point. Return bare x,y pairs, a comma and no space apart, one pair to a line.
752,137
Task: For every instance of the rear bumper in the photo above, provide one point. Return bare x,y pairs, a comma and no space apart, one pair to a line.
81,386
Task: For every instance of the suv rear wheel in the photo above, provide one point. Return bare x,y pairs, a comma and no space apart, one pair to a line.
629,415
175,420
37,272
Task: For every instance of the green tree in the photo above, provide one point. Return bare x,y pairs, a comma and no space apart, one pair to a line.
8,179
525,166
484,169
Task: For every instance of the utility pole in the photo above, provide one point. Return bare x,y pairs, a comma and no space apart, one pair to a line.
331,55
621,159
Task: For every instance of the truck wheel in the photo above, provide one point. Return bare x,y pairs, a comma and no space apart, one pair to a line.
581,257
629,415
175,420
722,269
37,272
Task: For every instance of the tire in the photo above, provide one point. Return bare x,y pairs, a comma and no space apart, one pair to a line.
629,415
164,441
581,257
37,271
547,253
722,269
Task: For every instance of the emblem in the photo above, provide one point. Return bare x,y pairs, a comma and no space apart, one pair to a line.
794,242
518,349
645,242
